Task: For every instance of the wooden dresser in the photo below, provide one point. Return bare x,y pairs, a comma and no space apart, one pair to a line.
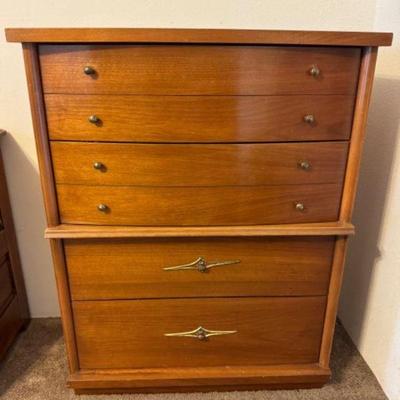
14,311
199,187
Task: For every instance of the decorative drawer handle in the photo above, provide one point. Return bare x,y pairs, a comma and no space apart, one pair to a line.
314,71
201,265
102,207
89,70
200,333
309,119
304,164
94,119
299,206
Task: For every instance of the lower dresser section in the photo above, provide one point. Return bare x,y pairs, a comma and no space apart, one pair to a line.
176,313
173,332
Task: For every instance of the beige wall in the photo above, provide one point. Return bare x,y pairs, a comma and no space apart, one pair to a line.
370,284
370,301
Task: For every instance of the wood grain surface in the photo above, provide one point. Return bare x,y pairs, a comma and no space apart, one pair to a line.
211,36
124,269
203,70
198,118
203,206
198,165
269,331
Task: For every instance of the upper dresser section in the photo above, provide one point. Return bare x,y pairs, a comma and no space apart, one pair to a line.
179,93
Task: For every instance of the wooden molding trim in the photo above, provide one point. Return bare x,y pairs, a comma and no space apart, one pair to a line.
209,36
60,271
32,69
95,231
366,77
159,379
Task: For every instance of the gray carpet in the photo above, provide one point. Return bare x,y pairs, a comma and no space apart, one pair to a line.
35,369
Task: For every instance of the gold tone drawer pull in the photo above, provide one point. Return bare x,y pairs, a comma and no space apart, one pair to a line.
299,206
99,166
305,165
200,333
201,265
309,119
314,71
89,70
102,207
94,119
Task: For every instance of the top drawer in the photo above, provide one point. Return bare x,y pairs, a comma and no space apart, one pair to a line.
198,69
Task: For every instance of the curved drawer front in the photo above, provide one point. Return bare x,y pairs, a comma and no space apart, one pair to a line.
199,118
190,70
195,267
198,165
224,205
258,331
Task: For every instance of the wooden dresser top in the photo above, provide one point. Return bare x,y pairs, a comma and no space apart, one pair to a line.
209,36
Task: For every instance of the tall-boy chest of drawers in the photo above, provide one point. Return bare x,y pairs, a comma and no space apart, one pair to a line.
198,186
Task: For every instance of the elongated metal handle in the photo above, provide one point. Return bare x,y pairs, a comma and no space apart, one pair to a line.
201,265
200,333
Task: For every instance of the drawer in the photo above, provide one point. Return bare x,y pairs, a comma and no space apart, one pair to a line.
124,118
144,268
6,283
198,69
219,205
255,331
198,164
3,242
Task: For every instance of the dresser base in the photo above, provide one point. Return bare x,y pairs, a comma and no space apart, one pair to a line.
200,379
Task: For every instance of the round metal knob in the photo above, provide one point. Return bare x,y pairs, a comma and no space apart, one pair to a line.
304,165
89,70
299,206
98,165
309,119
314,71
102,207
94,119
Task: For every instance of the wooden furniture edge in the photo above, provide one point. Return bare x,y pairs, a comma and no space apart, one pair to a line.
32,68
194,378
11,239
7,319
65,231
363,98
366,76
63,293
210,36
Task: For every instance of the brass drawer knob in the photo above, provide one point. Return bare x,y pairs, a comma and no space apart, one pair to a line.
304,165
94,119
314,71
200,333
201,265
99,166
102,207
89,70
309,119
299,206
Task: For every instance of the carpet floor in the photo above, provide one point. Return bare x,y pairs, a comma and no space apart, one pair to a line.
35,369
